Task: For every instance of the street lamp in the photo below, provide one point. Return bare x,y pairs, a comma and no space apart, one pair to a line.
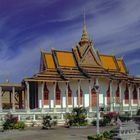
96,86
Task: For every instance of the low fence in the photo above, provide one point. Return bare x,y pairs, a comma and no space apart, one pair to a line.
35,116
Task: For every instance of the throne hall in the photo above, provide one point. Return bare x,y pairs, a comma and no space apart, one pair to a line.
82,77
67,79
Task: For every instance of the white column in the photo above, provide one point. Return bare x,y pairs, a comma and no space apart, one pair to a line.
78,93
27,97
130,97
13,98
111,103
120,94
138,95
66,97
42,95
97,104
90,99
54,94
25,101
0,99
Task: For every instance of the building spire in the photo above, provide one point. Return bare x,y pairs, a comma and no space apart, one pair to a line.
84,38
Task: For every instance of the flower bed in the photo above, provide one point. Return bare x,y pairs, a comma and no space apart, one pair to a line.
106,135
77,119
12,122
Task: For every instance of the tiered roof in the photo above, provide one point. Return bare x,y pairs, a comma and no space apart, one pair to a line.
82,62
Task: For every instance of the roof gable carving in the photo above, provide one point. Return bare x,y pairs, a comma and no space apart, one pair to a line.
89,57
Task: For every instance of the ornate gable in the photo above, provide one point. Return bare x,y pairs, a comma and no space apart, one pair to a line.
89,60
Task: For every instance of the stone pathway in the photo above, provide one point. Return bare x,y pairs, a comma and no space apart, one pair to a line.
59,133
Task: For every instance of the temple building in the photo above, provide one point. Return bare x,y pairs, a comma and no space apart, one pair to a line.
67,79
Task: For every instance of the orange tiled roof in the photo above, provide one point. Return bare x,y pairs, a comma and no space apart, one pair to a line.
49,60
65,59
121,65
108,62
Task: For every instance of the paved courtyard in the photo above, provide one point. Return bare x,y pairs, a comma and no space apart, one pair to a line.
59,133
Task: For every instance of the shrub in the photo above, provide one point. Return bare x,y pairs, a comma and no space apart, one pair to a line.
125,117
97,137
54,122
47,122
12,122
108,134
101,122
103,136
77,117
21,125
138,112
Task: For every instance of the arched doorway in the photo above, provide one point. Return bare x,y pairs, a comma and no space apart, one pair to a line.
81,97
135,96
93,97
108,97
69,95
117,96
58,95
46,95
126,96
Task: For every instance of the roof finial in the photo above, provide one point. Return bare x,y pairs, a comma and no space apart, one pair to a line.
84,17
84,38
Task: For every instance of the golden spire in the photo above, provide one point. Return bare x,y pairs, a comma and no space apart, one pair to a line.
84,38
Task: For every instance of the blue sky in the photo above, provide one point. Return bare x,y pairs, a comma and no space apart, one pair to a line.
28,25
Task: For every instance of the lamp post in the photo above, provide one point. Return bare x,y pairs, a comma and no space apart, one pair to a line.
96,86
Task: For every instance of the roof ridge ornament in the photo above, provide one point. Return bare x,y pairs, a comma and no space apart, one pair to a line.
84,38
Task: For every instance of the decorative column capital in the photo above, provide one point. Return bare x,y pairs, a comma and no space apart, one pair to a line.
27,83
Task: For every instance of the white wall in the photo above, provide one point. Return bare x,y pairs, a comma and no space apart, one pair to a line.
123,86
85,88
74,88
62,87
114,89
104,83
50,87
39,95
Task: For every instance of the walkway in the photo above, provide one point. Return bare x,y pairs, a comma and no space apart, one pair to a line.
59,133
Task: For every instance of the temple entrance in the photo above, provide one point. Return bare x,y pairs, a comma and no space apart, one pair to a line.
33,96
46,95
126,96
58,95
117,96
108,97
93,97
135,97
69,95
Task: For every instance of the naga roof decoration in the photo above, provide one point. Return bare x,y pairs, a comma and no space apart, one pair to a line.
121,65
